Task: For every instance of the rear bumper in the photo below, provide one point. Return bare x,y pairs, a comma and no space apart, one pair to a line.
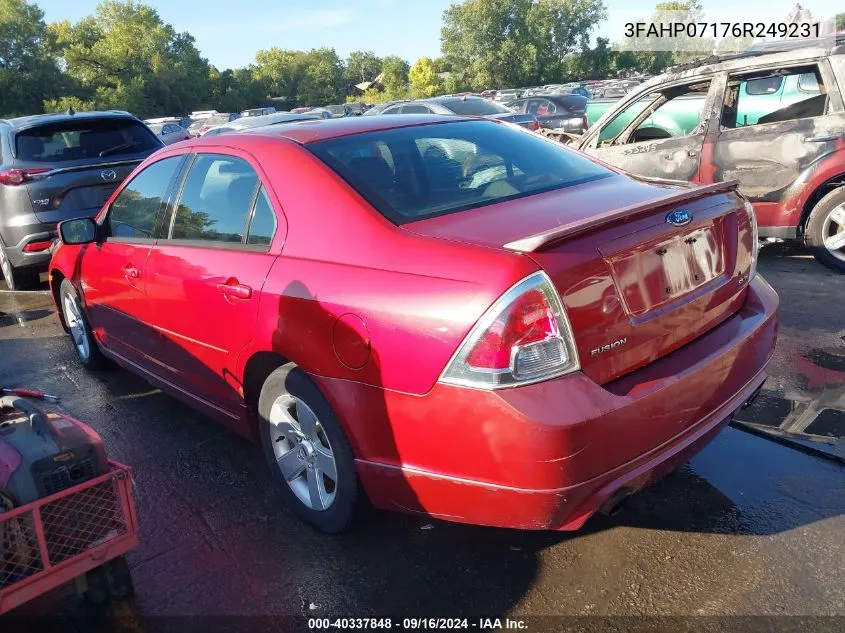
19,258
546,456
30,228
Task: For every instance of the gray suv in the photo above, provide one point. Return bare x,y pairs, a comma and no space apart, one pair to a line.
59,166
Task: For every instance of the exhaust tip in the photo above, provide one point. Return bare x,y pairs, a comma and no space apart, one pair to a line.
615,502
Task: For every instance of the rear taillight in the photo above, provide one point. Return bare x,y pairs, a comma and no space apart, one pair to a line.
37,247
584,122
755,239
20,176
524,337
535,125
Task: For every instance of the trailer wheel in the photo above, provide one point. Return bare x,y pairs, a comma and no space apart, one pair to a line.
119,579
111,581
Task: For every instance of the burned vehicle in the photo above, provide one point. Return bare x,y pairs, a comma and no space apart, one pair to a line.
773,120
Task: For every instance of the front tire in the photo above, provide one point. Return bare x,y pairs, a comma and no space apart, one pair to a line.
825,232
307,451
86,347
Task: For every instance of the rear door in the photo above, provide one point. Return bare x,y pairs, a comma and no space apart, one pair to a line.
204,280
85,159
660,135
769,146
114,285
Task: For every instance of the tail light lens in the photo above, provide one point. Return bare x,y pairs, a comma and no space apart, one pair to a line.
584,122
536,125
20,176
523,337
37,247
755,239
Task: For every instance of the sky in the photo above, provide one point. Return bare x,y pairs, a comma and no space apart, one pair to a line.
228,35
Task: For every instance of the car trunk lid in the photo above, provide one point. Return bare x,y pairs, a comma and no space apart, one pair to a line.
636,286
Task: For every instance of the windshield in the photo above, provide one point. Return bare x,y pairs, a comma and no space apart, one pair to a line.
421,171
84,138
476,107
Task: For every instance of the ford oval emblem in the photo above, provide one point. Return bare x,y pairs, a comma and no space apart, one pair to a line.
679,217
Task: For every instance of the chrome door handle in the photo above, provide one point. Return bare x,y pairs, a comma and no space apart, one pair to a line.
240,291
821,139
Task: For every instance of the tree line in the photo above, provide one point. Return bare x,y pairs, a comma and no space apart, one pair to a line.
124,56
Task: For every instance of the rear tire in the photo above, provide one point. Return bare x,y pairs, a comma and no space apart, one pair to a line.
76,324
825,230
17,278
320,483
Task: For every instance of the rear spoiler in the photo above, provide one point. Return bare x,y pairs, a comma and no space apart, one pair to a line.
105,165
539,241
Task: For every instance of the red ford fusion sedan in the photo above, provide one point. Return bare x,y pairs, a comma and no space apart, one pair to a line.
451,317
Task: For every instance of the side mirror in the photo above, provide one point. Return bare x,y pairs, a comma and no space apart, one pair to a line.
78,231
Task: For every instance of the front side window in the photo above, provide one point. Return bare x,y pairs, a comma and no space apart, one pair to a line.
134,212
774,96
614,127
413,173
216,200
673,113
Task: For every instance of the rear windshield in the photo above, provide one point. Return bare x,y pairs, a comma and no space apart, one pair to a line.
475,107
84,139
417,172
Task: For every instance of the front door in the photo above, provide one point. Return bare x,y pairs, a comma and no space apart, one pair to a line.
775,124
659,135
112,270
205,279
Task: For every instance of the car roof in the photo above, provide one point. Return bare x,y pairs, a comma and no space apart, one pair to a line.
746,61
313,131
23,122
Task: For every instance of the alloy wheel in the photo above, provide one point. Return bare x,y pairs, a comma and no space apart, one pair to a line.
76,326
303,452
833,232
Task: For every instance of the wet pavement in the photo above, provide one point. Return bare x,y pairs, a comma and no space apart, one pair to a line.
804,398
749,527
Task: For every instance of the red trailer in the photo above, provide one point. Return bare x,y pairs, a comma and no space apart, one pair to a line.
81,532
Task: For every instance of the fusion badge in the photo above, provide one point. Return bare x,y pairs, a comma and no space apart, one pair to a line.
608,347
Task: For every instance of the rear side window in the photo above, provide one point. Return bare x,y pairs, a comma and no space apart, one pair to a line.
263,223
134,212
84,139
216,200
476,107
416,172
